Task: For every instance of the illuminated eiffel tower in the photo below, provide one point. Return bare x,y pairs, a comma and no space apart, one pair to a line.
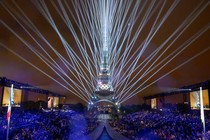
104,90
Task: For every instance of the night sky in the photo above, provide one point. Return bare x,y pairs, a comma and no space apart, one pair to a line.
195,71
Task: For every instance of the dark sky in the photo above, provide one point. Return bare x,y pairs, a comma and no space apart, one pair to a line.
195,71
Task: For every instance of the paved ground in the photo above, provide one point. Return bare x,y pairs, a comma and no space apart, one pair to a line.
98,131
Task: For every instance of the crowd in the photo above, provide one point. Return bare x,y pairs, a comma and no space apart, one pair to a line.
68,124
41,125
162,125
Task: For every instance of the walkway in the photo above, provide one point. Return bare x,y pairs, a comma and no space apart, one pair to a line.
98,131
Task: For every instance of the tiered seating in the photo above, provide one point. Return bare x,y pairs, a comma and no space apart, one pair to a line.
162,125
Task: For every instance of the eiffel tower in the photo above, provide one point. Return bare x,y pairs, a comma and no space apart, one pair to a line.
104,89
